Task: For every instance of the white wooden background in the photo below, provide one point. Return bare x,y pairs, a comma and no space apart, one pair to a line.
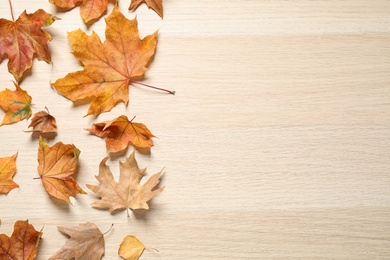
277,144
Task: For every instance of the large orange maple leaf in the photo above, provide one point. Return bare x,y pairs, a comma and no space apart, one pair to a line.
21,39
89,9
109,67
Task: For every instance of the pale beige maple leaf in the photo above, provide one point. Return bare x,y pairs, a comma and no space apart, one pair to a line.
128,192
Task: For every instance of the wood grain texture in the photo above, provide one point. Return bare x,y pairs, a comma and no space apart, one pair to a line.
276,145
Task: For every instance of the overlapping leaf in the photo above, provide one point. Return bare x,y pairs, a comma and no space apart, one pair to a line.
86,243
128,192
56,165
20,40
23,243
121,132
89,9
109,67
156,5
16,104
7,171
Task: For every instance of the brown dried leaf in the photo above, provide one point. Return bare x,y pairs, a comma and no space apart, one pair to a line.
86,242
43,122
128,192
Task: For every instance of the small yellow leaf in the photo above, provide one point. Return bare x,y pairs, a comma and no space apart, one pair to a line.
131,248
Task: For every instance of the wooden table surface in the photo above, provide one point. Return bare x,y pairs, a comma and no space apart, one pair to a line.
276,145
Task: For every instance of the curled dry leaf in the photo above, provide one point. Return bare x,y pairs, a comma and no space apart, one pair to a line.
43,122
156,5
23,243
56,165
128,192
121,132
20,40
86,242
131,248
7,171
89,9
109,67
16,104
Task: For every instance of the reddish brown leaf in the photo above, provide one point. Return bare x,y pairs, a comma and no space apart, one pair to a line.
43,122
20,40
128,192
7,172
56,165
156,5
22,245
121,132
109,67
86,243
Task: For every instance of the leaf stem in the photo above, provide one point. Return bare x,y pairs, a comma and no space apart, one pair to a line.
149,86
109,229
151,248
12,11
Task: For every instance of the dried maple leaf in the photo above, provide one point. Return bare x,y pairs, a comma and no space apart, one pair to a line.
109,67
86,243
43,122
131,248
121,132
23,243
89,9
156,5
128,192
56,165
7,172
21,39
16,104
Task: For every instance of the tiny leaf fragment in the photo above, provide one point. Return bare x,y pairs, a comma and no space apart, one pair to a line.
156,5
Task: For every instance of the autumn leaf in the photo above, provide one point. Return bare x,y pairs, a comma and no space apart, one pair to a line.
23,243
16,104
89,9
131,248
20,40
43,122
121,132
86,243
156,5
7,172
56,165
128,192
109,67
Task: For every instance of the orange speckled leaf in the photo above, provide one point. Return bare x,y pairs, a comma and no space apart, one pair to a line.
109,67
156,5
23,243
16,104
56,165
43,122
21,39
121,132
128,192
7,172
89,9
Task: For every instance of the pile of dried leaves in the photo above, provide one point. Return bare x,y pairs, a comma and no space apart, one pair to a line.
110,67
